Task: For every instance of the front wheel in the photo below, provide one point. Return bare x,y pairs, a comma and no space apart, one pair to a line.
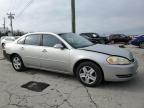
102,42
141,45
89,74
17,63
3,46
112,42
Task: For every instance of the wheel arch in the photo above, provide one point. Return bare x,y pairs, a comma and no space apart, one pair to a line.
86,60
12,56
2,44
142,41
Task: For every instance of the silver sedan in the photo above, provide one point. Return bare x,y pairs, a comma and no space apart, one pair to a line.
72,54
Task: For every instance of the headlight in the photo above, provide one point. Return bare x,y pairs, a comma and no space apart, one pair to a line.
115,60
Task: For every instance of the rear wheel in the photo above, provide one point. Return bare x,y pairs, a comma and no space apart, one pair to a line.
89,74
141,45
112,42
17,63
126,43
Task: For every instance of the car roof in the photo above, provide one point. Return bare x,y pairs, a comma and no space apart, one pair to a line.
89,33
48,33
64,33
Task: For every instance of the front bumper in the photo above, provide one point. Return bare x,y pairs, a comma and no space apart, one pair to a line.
120,72
7,56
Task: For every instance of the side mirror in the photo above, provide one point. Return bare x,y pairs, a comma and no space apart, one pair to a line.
59,46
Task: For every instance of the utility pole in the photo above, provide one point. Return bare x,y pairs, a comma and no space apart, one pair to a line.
11,17
4,25
73,16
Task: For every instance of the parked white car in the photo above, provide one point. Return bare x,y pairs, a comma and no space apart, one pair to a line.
7,39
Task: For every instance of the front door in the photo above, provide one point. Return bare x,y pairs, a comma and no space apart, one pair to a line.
54,59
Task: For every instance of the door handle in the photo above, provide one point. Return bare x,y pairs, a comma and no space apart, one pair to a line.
22,48
44,51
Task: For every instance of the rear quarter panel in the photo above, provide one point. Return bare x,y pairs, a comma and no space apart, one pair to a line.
12,48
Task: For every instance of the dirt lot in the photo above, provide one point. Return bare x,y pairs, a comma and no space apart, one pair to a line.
66,92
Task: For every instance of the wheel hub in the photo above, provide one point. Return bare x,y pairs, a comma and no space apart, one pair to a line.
88,75
17,63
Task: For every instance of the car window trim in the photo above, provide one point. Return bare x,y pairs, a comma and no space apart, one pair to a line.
41,40
20,39
31,35
55,37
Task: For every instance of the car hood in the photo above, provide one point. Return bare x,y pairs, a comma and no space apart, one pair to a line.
109,50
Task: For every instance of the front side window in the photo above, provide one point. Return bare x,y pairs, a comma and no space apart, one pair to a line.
50,40
33,39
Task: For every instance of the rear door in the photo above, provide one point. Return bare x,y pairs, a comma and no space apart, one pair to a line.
30,50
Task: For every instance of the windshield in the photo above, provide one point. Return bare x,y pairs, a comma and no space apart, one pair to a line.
76,41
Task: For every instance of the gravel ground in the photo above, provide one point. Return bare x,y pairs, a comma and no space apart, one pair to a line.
66,92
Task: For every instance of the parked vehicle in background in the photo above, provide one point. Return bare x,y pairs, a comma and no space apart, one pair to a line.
8,39
138,41
95,38
2,37
119,38
72,54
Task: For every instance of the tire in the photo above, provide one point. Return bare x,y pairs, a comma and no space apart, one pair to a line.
141,45
89,74
17,63
102,42
125,43
3,45
112,42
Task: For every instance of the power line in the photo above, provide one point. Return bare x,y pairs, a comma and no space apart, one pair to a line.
22,11
13,5
9,8
17,5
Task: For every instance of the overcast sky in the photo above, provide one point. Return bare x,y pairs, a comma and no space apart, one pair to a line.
101,16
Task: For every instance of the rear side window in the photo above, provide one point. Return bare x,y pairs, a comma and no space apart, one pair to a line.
33,39
50,40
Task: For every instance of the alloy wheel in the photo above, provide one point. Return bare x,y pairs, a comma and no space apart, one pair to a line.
87,75
3,46
17,63
142,45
